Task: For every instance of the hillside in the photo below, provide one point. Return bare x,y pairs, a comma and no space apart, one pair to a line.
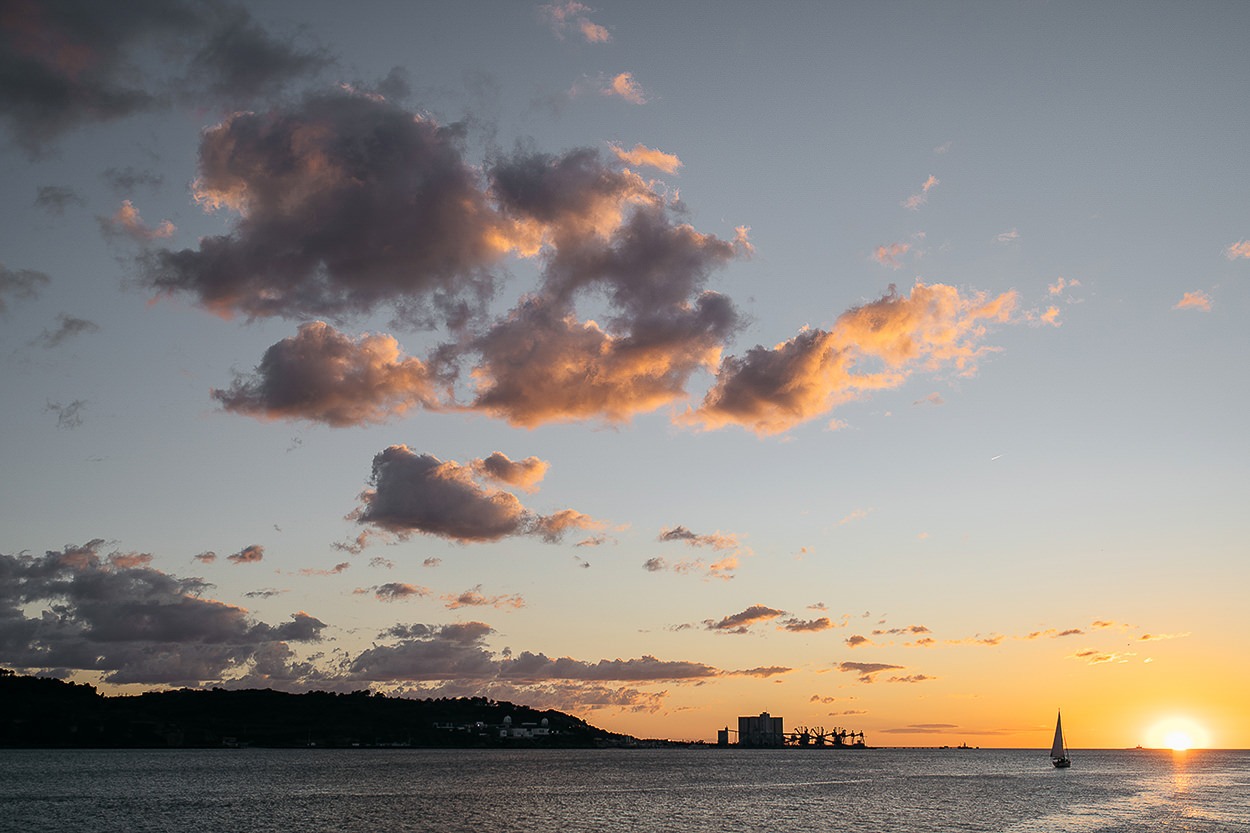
44,712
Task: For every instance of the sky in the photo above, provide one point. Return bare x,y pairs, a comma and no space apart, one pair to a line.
876,365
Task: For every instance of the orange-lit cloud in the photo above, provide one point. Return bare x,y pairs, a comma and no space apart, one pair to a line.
857,641
1238,249
333,571
573,15
552,527
1061,284
624,86
126,221
473,597
889,255
715,540
322,375
921,197
872,347
1048,316
643,155
1197,299
524,474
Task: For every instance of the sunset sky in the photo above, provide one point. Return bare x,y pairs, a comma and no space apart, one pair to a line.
877,365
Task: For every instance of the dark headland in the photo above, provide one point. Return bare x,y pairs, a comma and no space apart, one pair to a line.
41,712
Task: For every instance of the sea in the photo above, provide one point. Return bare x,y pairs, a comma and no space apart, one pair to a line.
675,789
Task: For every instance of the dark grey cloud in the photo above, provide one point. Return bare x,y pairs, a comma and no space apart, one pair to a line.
68,326
741,622
64,64
250,554
54,199
866,671
240,61
19,283
126,180
421,493
137,624
322,375
343,203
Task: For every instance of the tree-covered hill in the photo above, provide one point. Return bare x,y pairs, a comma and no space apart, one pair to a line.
44,712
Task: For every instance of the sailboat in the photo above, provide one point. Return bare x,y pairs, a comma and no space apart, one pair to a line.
1058,749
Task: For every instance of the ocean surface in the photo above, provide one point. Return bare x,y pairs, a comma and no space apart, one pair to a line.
377,790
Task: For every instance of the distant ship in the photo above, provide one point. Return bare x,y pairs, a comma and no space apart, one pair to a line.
1059,749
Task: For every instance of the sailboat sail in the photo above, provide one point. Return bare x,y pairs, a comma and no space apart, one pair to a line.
1058,749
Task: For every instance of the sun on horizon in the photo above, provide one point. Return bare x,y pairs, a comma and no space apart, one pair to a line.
1178,734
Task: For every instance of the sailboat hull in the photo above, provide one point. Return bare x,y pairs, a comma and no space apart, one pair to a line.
1061,763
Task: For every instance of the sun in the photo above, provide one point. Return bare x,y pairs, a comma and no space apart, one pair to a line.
1178,733
1178,741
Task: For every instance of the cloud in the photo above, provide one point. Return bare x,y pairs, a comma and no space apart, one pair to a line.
909,630
857,640
867,671
126,222
54,199
720,569
341,203
741,622
796,625
601,232
120,616
332,571
762,672
934,398
395,591
624,86
920,198
910,678
856,515
264,593
1238,249
420,493
1009,236
473,597
1048,316
458,653
126,180
1061,283
523,474
69,64
551,528
250,554
67,416
322,375
643,155
207,557
573,15
1197,300
716,540
888,255
68,327
19,283
770,390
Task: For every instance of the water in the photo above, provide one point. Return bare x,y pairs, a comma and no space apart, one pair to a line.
431,791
